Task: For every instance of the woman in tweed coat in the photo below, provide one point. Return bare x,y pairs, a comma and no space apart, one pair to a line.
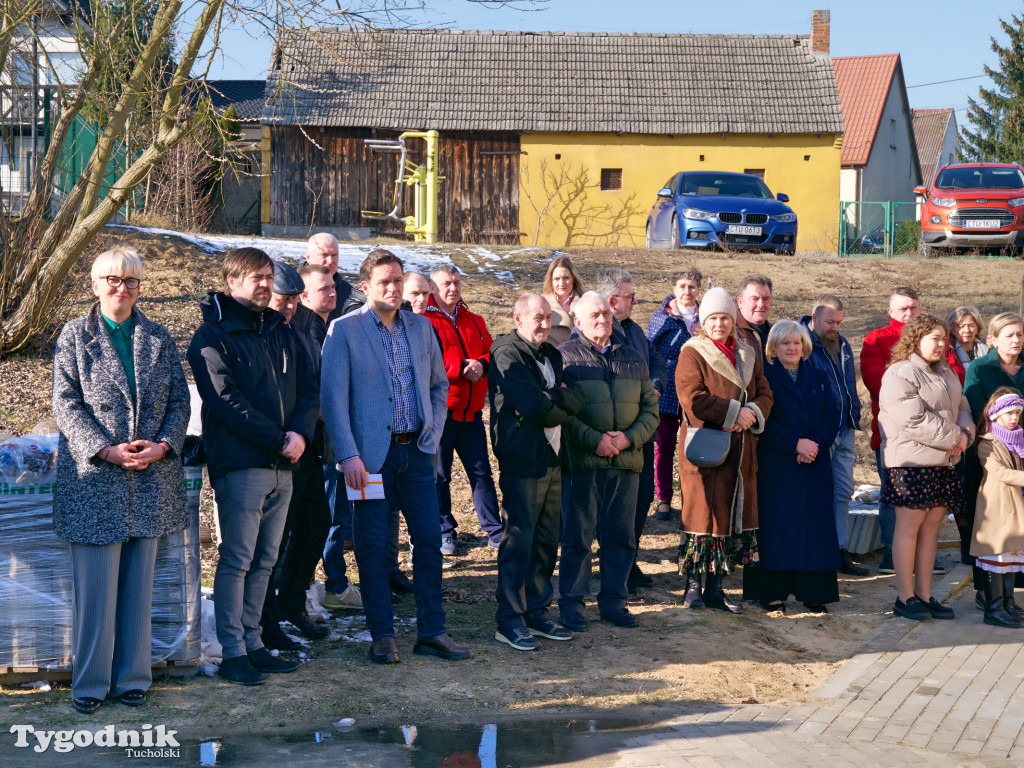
122,405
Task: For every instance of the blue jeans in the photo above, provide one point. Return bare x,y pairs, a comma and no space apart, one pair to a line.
843,459
408,477
340,532
469,440
886,513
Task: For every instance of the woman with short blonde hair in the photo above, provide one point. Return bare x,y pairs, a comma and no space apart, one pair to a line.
121,403
788,330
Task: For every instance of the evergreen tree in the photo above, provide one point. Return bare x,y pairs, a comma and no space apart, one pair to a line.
996,119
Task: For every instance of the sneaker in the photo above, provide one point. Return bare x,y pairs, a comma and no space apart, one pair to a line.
552,630
912,609
518,637
886,565
264,661
573,620
937,609
938,570
350,598
448,546
664,511
238,669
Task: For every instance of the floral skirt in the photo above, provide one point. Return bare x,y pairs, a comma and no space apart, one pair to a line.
925,488
717,555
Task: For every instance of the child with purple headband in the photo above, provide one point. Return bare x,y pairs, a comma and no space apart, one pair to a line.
998,538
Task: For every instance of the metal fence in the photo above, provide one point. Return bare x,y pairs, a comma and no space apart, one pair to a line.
889,228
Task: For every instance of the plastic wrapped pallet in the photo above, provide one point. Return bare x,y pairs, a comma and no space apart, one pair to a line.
35,568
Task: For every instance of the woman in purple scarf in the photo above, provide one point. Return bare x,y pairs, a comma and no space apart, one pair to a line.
998,538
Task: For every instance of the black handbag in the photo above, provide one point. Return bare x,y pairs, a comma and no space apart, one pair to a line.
704,446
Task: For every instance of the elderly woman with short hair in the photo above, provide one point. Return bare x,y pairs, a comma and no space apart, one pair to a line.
122,406
964,324
562,286
796,534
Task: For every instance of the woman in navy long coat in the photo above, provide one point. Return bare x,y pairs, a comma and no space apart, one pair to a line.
797,541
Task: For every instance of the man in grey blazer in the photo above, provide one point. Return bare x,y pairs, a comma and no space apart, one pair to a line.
384,402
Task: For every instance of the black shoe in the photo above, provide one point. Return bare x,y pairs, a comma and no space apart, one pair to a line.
517,637
133,698
621,618
886,566
264,661
779,607
306,626
400,583
552,630
996,614
714,596
573,620
443,646
816,607
384,651
692,598
276,640
849,567
912,609
937,609
238,669
664,511
638,578
86,704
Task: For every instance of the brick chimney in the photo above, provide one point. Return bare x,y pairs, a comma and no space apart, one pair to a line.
820,32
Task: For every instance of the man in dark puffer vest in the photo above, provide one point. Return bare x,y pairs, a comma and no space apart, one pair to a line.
605,457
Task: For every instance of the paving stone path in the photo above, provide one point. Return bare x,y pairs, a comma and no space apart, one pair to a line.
937,693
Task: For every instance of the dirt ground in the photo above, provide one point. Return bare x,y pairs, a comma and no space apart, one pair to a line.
675,656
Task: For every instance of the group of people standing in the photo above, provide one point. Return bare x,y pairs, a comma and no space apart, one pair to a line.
312,388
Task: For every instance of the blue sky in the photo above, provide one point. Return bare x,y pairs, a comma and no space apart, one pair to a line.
938,41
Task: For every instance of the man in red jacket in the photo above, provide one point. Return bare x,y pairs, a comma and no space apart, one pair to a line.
874,358
466,347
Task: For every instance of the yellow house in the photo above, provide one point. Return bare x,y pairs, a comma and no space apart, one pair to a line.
549,138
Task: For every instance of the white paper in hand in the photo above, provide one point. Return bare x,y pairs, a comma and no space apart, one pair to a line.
374,489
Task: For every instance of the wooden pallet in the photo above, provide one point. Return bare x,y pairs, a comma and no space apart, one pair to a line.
11,676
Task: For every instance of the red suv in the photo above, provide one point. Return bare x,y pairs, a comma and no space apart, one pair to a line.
973,205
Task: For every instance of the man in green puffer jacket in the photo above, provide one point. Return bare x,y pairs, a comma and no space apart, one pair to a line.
605,456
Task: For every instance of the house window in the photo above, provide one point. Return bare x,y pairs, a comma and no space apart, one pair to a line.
611,179
759,172
892,134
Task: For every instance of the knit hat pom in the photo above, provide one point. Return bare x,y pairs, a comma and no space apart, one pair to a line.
717,301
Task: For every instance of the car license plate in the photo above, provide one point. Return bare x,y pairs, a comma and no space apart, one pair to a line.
982,224
739,229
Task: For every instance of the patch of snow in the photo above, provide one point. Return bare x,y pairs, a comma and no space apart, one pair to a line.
42,685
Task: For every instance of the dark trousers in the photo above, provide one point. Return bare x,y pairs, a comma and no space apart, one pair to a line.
645,492
408,477
469,440
309,519
886,512
531,508
602,503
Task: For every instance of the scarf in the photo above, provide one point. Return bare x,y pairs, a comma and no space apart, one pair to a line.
728,349
1013,439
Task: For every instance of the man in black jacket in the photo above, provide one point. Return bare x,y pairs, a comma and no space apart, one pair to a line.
616,285
260,403
528,406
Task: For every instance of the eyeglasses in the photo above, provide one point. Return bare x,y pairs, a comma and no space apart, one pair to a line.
114,281
631,297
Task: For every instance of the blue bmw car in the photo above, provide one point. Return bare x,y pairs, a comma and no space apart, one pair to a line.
704,209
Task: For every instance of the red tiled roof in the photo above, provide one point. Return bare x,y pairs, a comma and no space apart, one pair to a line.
864,83
930,127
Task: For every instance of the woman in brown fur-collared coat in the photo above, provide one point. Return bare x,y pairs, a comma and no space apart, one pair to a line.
721,385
